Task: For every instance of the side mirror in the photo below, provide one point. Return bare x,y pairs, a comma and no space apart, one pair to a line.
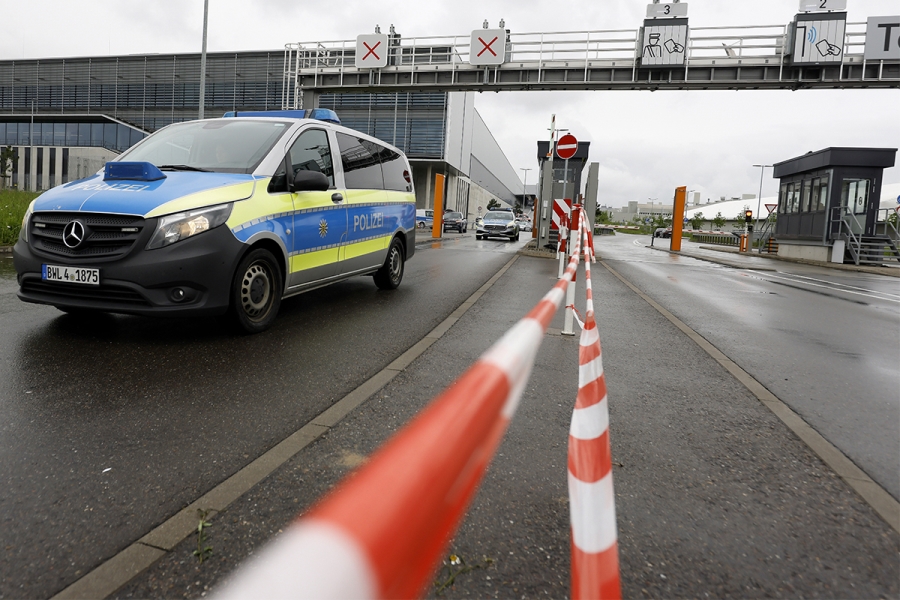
309,181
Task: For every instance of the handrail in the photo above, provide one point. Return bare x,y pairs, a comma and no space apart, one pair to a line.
855,244
764,42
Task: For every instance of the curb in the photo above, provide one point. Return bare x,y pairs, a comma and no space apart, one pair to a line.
887,270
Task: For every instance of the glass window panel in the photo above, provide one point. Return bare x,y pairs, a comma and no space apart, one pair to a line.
46,136
311,152
806,195
822,194
109,135
783,198
123,137
12,134
136,136
96,134
362,169
59,134
3,134
71,134
24,134
84,135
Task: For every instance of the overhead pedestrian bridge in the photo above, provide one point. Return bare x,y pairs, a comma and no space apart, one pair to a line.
652,57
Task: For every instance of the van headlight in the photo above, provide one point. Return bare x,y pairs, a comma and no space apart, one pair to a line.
179,226
23,232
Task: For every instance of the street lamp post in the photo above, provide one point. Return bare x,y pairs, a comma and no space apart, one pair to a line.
524,185
31,162
762,169
203,61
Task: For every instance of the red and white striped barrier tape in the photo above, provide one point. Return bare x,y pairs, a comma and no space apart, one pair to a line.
383,530
595,556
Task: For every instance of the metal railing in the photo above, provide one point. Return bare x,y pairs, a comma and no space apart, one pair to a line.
767,231
888,224
756,45
841,228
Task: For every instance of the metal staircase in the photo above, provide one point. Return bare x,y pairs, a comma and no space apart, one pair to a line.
864,249
767,235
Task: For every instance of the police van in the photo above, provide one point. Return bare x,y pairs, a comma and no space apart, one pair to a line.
221,216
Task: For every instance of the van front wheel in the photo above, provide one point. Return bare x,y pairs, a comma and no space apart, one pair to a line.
256,292
388,277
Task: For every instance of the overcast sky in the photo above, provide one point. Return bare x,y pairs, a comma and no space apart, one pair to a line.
646,143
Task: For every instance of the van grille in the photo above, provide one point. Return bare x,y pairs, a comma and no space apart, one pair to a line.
106,236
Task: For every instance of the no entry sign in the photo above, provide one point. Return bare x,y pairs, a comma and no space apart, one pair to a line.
567,146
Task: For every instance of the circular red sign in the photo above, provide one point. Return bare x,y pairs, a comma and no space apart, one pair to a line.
567,146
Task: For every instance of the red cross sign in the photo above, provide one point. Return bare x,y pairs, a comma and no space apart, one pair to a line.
370,51
488,47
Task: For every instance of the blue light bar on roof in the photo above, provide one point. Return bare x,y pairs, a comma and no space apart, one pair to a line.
132,171
319,114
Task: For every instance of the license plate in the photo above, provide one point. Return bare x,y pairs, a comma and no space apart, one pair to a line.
70,274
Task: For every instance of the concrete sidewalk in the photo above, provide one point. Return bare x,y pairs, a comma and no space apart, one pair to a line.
731,256
715,497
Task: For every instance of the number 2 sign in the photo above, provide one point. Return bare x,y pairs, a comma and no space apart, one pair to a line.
820,5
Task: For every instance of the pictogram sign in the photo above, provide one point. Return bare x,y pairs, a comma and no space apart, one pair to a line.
488,47
567,146
371,51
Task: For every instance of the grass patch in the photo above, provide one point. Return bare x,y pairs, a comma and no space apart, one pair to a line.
13,204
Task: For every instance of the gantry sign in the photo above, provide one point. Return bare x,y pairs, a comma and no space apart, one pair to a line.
819,48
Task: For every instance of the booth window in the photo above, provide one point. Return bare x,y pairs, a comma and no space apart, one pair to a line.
804,199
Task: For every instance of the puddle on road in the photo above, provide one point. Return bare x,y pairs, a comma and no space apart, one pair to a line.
7,271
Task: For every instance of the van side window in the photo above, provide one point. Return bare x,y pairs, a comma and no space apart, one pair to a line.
394,168
362,168
311,152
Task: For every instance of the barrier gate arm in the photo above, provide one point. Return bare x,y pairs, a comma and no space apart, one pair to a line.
383,530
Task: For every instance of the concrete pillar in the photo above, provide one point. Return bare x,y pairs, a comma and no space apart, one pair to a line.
45,168
590,193
545,203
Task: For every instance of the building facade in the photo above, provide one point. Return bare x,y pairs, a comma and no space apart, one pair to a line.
65,117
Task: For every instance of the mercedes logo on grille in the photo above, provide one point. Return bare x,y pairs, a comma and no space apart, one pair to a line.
73,234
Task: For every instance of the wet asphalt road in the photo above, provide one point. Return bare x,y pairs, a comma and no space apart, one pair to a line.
109,426
714,496
825,341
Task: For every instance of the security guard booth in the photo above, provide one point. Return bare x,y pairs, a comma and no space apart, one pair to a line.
557,182
828,206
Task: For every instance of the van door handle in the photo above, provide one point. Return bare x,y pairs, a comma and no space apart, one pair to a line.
337,197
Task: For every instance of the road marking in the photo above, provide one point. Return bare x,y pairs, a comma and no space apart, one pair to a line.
112,574
872,493
832,285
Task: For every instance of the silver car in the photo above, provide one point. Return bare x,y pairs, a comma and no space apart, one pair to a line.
498,223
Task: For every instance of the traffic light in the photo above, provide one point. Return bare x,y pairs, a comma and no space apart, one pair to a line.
748,215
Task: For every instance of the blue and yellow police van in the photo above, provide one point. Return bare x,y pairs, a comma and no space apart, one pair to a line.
221,216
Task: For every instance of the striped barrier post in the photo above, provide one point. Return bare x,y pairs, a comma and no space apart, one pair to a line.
383,530
595,556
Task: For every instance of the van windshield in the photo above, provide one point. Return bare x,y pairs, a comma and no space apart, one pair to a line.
223,145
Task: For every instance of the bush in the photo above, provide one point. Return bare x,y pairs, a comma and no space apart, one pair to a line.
13,205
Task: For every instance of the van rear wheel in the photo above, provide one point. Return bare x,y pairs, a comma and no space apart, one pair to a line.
256,292
388,277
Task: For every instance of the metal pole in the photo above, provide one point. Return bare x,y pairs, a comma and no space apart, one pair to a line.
562,255
203,61
31,162
762,170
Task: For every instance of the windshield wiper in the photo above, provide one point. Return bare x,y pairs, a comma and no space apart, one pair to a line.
182,168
